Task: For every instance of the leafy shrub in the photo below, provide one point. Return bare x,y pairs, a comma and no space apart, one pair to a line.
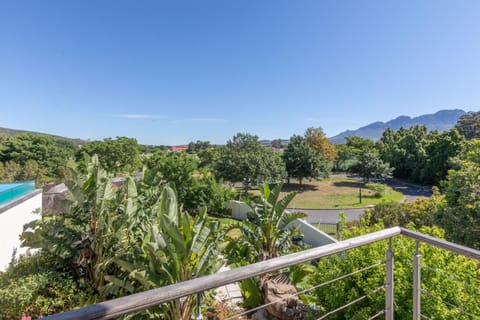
379,188
455,282
421,212
39,294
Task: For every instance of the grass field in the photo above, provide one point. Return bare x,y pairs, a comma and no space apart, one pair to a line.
336,193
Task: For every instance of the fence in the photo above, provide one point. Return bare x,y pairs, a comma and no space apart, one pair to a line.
332,229
141,301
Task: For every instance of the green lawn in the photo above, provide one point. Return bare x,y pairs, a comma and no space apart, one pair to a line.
336,193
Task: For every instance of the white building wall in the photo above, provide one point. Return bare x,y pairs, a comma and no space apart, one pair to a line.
239,209
12,221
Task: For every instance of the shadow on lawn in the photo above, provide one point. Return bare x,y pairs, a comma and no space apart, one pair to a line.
298,188
349,184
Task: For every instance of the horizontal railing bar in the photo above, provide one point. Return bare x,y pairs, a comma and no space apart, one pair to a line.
449,304
306,290
445,275
378,314
469,252
350,303
143,300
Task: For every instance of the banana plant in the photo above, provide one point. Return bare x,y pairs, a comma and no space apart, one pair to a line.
175,248
79,237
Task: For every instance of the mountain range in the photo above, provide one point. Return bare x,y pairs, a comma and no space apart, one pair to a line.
442,120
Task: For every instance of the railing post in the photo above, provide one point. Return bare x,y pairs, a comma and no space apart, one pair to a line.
389,282
198,315
417,283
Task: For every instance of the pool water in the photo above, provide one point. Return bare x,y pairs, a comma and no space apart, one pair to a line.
11,191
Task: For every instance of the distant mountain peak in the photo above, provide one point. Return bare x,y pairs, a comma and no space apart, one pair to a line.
441,120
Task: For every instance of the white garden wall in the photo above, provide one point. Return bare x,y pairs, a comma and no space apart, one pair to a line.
13,216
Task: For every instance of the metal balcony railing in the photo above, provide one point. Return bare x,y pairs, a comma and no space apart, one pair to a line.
141,301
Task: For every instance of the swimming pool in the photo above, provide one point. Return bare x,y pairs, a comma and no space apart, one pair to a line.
11,191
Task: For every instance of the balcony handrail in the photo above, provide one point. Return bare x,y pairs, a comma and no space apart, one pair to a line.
464,251
143,300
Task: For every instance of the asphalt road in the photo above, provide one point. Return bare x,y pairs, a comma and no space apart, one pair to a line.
410,192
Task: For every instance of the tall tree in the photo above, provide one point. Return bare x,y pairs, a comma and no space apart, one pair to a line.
370,165
419,155
195,187
469,125
440,148
208,157
195,147
120,155
349,151
405,150
318,141
358,145
461,216
49,152
277,143
243,159
9,171
301,161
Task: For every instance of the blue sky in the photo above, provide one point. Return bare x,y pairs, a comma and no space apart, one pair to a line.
169,72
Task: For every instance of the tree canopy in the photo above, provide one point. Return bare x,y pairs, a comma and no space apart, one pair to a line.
317,140
461,216
48,152
195,187
370,166
301,161
469,125
195,147
243,159
119,155
419,155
